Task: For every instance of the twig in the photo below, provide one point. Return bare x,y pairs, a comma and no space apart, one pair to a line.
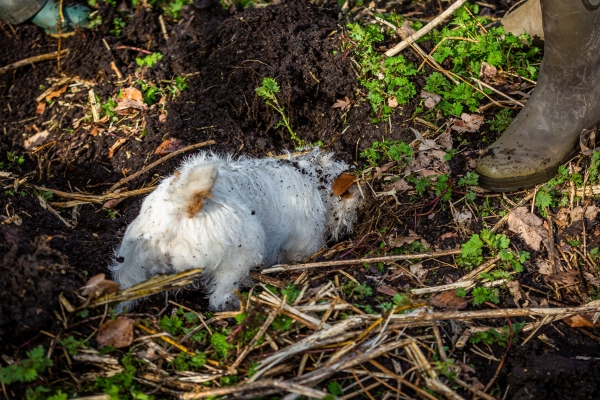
424,30
158,162
93,105
89,198
288,267
61,18
34,59
47,206
163,27
499,92
133,48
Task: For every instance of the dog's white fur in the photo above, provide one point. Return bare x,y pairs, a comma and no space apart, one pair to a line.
228,216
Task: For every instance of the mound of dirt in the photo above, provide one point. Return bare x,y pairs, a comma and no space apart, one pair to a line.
33,276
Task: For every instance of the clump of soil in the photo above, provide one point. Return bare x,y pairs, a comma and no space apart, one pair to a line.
33,276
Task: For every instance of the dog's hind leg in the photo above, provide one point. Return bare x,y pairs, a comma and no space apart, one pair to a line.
225,279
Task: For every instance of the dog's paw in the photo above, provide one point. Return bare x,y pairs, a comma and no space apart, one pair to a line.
220,301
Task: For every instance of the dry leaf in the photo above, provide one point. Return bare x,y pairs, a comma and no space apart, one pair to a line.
162,118
592,279
445,140
399,185
114,202
431,99
468,123
515,289
36,140
448,235
406,30
97,286
579,321
448,299
545,268
566,278
111,151
528,226
419,271
587,141
41,107
487,71
399,242
462,218
392,102
426,144
117,333
383,168
342,183
55,94
132,93
168,146
342,104
387,289
130,98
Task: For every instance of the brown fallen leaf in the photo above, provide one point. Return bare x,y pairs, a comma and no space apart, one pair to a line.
592,279
399,242
399,185
36,140
406,30
449,300
419,271
342,104
587,141
580,321
342,183
392,102
445,139
98,286
545,268
55,94
131,98
168,146
120,142
41,107
449,235
468,123
114,202
383,168
565,278
387,289
431,99
529,227
514,287
117,333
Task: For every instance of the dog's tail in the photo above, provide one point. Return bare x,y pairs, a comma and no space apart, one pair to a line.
192,186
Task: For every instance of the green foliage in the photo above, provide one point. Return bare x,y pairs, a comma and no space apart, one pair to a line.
267,91
118,25
447,368
292,292
353,289
501,120
470,179
26,370
499,336
384,78
187,362
72,345
121,386
172,325
108,107
335,388
391,150
149,92
461,292
221,345
282,323
401,300
179,84
95,22
173,8
111,214
150,60
546,195
14,160
482,294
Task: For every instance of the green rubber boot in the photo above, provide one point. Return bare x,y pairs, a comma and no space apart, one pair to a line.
75,16
565,101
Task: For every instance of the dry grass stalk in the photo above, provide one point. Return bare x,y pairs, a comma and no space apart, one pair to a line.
32,60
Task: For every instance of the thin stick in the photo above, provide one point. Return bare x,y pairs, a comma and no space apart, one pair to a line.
482,268
88,198
163,27
288,267
424,30
61,18
499,92
160,161
47,206
34,59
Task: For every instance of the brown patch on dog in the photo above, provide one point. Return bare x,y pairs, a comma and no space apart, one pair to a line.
197,202
342,183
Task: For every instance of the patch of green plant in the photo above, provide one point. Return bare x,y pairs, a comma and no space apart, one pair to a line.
447,368
14,160
353,289
461,292
221,345
187,362
546,195
26,370
149,92
501,120
121,386
500,336
282,323
439,184
118,25
108,108
178,85
335,388
292,292
172,324
390,150
470,179
173,8
384,78
496,244
111,213
150,60
72,345
482,294
267,92
95,22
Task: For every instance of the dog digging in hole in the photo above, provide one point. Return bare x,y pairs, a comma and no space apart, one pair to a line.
228,215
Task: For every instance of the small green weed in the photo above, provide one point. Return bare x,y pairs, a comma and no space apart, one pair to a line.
385,151
482,294
171,324
267,92
499,336
95,22
26,370
352,289
111,213
14,161
150,60
187,362
72,345
497,244
149,92
501,120
221,345
118,25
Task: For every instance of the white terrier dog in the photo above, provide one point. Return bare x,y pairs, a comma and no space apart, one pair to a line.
228,216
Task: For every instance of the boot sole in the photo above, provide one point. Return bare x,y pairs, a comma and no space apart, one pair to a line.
522,182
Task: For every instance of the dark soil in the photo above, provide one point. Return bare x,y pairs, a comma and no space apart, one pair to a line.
226,57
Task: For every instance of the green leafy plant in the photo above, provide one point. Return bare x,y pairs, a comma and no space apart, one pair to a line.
150,60
267,92
291,292
282,323
353,289
95,22
499,336
187,362
149,92
118,25
221,345
482,294
385,151
173,8
72,345
26,370
172,324
14,160
501,120
111,213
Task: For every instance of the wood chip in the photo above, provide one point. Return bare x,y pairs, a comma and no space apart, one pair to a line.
120,142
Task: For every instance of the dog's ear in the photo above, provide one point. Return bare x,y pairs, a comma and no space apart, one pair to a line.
342,183
193,185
